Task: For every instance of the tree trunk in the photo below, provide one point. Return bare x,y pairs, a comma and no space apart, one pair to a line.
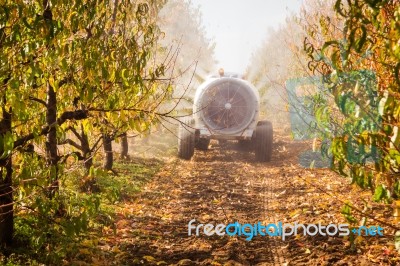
51,116
6,195
51,143
124,146
87,154
108,153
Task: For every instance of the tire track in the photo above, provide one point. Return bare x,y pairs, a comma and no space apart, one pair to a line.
221,185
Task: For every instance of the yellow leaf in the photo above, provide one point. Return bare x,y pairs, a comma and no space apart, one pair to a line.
87,243
123,73
72,14
295,213
113,55
122,115
84,251
358,240
52,83
115,249
396,211
149,258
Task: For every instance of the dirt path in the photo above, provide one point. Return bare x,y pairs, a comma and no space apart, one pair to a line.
223,185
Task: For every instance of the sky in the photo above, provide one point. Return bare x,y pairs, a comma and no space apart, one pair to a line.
238,27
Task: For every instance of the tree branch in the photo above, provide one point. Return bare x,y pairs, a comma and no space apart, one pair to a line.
76,133
72,143
70,115
37,100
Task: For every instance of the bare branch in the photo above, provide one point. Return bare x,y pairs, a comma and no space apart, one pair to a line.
38,100
72,143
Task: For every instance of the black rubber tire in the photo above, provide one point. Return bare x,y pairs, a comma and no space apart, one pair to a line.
202,144
186,139
263,141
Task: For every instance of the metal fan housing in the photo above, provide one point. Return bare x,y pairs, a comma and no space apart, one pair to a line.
226,108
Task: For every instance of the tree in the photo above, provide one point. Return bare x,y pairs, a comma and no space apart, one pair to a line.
65,62
6,191
124,146
360,73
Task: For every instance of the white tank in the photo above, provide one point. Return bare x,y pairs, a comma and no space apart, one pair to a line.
226,105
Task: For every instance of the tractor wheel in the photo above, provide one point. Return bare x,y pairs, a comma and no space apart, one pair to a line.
263,141
186,139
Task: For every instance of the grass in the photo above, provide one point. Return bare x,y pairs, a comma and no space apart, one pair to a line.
58,238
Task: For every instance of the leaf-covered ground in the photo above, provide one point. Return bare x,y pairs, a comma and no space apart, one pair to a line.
224,185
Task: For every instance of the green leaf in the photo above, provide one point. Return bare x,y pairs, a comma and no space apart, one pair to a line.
346,211
396,189
380,193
